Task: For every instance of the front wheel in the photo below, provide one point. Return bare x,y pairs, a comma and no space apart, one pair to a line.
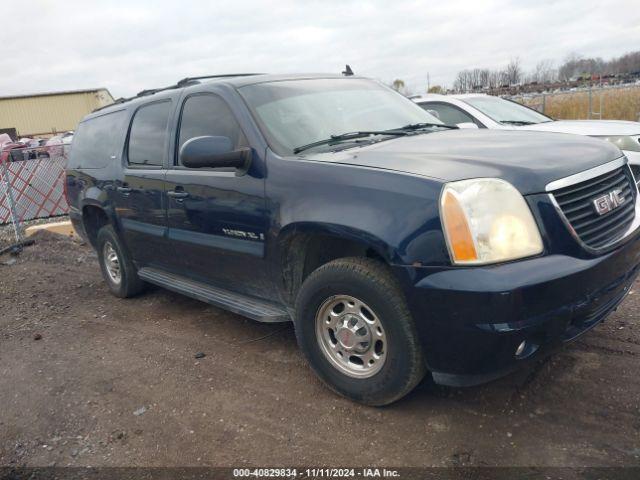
354,326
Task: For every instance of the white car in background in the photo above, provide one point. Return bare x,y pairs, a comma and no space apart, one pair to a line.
486,111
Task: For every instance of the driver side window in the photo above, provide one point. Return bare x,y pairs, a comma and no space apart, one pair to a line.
209,115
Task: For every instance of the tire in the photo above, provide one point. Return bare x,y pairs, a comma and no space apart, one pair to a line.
359,294
110,247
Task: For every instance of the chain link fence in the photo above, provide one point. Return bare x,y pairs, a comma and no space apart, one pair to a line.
613,102
31,187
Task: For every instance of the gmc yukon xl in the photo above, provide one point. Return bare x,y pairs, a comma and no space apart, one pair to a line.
398,246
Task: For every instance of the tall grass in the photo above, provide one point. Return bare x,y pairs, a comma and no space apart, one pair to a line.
617,104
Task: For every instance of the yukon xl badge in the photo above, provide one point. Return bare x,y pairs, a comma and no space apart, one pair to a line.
608,202
242,234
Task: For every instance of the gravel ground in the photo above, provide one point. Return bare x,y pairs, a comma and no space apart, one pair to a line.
88,379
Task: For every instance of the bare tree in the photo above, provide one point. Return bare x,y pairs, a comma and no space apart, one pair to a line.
568,69
461,83
513,72
477,79
398,85
627,63
495,79
485,78
544,72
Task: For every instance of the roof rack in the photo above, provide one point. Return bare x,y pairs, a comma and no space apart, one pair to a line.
182,83
187,81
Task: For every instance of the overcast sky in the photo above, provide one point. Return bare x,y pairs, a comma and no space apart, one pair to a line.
133,45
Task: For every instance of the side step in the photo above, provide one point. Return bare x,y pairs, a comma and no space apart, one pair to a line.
241,304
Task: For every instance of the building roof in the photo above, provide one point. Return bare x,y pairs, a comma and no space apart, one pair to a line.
48,113
49,94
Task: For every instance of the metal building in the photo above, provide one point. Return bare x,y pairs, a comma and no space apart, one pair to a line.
45,114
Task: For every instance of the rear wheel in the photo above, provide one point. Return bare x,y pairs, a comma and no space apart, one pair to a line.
354,326
117,267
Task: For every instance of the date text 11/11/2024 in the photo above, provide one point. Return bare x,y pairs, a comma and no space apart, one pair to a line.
315,473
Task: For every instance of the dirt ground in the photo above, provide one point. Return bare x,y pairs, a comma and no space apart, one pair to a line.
90,380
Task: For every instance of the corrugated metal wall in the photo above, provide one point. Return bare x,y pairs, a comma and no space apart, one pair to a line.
47,114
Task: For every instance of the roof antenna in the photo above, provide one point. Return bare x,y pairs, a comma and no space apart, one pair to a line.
347,71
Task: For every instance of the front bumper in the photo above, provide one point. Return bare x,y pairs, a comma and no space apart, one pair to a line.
472,320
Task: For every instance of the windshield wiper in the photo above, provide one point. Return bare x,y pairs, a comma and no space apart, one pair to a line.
354,135
347,136
518,122
421,125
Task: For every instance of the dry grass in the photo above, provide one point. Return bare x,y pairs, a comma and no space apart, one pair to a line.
617,104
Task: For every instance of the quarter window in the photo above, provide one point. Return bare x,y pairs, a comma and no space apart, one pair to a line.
209,115
147,140
98,140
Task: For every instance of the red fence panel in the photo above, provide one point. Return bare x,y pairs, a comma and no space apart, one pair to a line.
37,186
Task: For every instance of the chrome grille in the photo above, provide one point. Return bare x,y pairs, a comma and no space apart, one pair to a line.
576,202
635,169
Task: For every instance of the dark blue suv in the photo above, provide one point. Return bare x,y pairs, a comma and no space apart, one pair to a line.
396,244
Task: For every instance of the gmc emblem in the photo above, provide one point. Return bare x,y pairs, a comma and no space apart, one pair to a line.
608,202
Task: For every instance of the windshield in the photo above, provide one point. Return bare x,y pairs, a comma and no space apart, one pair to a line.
505,111
299,112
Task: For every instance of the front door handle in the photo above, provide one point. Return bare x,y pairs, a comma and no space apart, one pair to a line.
174,194
124,190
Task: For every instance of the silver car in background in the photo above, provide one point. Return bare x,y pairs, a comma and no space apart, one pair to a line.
486,111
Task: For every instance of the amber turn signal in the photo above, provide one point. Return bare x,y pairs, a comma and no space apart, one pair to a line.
457,229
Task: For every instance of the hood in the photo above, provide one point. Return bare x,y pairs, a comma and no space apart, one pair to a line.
587,127
528,160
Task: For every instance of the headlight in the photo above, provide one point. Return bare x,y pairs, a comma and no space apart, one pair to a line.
486,220
625,142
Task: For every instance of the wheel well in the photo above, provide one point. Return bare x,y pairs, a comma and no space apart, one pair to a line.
93,219
304,253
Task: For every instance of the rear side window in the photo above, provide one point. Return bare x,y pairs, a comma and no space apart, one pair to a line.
98,141
147,139
209,115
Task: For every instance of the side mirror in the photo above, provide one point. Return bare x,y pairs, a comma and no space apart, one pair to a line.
467,125
214,152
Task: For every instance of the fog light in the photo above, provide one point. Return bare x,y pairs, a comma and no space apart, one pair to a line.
521,348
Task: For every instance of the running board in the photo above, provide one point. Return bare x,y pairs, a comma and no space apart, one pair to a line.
241,304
